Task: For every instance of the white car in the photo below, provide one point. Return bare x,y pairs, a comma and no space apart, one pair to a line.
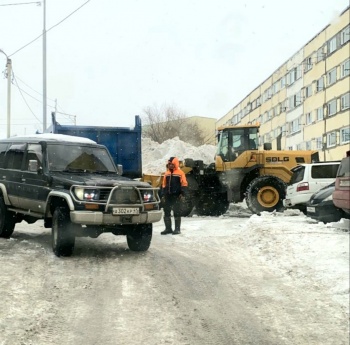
308,179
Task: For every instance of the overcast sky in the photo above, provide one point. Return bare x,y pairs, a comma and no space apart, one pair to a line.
111,58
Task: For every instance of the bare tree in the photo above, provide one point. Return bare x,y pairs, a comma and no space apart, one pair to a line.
167,122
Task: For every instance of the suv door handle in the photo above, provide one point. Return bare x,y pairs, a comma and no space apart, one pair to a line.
23,179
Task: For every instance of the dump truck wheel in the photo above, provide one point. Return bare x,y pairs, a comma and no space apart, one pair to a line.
266,193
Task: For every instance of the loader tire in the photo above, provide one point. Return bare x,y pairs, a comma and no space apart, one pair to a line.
212,207
186,207
266,193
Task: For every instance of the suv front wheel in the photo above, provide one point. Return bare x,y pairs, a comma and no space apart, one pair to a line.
7,220
139,237
63,237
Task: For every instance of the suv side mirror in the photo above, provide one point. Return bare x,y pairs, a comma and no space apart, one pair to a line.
33,165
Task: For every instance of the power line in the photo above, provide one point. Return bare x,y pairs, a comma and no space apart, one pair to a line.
20,91
50,28
23,3
39,93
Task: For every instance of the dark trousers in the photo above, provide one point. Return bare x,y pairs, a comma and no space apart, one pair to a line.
172,203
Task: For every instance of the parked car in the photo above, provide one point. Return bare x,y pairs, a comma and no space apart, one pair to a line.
341,194
306,180
321,206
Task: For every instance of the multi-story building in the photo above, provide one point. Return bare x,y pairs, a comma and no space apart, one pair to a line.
305,103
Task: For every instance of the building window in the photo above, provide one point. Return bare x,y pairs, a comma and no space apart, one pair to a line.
320,84
345,101
345,135
332,76
332,107
295,126
319,143
298,98
345,68
319,114
308,91
308,63
308,145
320,54
294,75
283,82
332,45
331,139
308,118
283,130
270,114
345,35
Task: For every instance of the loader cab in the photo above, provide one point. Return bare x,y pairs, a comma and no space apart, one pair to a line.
233,140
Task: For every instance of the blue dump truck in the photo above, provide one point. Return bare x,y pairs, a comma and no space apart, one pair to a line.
123,143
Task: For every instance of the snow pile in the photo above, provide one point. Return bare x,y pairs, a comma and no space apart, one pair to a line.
155,156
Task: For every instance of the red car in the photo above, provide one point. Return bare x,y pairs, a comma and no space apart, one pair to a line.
341,194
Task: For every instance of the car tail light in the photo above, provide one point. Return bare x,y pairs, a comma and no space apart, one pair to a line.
302,186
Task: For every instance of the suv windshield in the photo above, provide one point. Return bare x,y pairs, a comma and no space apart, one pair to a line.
79,158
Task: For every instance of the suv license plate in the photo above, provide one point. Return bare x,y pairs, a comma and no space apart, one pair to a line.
125,210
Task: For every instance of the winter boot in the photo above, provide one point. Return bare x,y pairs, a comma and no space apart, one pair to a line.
168,230
177,226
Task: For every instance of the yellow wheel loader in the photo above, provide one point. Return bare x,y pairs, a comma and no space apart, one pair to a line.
241,171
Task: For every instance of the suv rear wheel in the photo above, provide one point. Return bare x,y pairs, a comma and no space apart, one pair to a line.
7,220
63,237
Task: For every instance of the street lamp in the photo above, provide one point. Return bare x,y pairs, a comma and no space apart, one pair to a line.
44,67
9,76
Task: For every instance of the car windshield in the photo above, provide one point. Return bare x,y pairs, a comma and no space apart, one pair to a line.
79,158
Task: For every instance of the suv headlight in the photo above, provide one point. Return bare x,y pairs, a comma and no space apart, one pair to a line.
148,196
86,194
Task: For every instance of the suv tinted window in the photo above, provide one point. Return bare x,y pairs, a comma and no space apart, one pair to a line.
34,153
3,148
324,171
14,156
298,174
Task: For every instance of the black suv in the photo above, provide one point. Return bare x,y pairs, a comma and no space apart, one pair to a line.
73,185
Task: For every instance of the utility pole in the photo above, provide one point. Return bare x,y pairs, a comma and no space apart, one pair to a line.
44,67
9,76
